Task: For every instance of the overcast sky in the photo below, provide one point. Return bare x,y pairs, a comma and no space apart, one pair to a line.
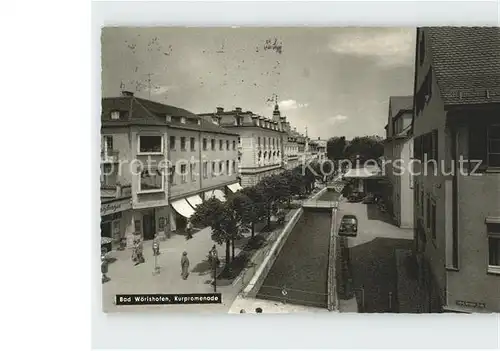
335,81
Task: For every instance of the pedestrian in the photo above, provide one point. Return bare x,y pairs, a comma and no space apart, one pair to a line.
184,265
156,246
104,269
189,229
139,252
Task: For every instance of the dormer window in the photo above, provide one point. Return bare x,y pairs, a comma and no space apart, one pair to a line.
115,114
168,118
183,120
215,120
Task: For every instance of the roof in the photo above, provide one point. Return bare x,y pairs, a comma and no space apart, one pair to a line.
466,63
146,112
400,103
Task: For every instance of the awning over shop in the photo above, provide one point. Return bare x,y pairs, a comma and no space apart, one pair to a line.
183,208
194,200
234,187
219,195
366,172
209,194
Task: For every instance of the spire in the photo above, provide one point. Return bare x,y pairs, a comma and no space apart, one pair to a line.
276,112
306,131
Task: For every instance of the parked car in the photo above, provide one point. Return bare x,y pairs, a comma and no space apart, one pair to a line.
348,226
369,199
355,197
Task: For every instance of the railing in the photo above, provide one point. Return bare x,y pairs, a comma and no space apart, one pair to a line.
316,203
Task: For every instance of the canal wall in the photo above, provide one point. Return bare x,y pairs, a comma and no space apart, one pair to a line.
262,261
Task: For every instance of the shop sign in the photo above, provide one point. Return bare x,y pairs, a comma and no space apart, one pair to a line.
114,207
470,304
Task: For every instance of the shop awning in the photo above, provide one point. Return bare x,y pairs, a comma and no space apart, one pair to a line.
183,208
219,195
209,194
234,187
194,200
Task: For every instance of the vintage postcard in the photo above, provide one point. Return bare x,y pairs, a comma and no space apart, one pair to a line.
281,170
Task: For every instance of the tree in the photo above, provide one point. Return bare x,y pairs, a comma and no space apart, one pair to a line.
274,189
257,198
365,148
221,218
335,148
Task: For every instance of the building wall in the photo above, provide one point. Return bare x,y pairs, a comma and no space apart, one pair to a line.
406,188
433,117
121,145
195,180
159,198
478,198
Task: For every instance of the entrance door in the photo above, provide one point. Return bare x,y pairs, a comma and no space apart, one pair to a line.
148,226
106,229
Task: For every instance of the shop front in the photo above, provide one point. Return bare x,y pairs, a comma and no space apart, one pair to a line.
113,214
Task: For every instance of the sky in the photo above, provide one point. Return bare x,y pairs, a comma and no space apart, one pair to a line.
332,81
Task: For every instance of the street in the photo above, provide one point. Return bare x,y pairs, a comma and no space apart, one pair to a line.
372,257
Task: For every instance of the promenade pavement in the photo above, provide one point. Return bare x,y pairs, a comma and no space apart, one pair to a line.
129,279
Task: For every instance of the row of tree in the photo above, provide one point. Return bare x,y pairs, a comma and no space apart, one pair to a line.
362,148
252,205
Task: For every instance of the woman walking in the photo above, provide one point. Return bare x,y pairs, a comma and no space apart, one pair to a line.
184,265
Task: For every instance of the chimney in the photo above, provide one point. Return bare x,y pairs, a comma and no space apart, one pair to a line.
220,109
237,109
127,93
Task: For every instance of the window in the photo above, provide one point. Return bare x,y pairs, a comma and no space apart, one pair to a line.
115,114
191,143
213,169
221,143
493,153
234,144
494,247
212,144
227,144
221,163
151,181
172,143
205,169
183,143
183,174
171,175
484,145
109,174
258,141
150,144
234,166
205,143
239,140
433,220
227,167
192,171
428,212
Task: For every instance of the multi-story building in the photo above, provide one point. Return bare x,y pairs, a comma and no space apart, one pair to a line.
134,193
457,198
260,142
398,152
159,163
321,149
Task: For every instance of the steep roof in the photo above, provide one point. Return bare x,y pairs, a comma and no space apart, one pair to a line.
400,103
466,62
146,112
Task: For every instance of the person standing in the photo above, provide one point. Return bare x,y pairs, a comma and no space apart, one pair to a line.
104,269
156,246
139,252
189,230
184,265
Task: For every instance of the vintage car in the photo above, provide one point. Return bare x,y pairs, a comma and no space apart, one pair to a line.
348,226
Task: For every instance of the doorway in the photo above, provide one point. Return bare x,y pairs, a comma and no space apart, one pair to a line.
148,226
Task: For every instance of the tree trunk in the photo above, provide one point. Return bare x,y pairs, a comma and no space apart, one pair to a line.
228,253
269,217
253,229
232,249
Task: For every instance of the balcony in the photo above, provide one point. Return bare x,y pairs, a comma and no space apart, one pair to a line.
109,156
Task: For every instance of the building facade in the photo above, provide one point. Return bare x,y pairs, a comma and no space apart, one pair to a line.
204,163
456,124
321,149
134,193
158,162
398,153
260,144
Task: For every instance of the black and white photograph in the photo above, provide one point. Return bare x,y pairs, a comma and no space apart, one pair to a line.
261,170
